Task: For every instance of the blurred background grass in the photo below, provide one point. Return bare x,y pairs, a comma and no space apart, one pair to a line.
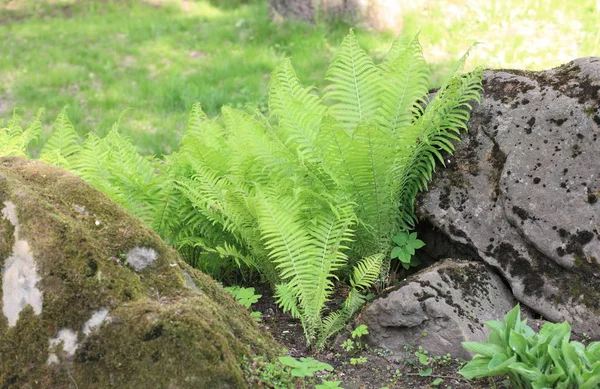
158,57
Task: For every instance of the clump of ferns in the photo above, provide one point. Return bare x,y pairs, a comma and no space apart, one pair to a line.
313,191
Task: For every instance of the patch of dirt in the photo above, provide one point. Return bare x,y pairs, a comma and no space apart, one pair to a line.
380,369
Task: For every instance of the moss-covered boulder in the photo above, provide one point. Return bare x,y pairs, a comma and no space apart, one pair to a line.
91,298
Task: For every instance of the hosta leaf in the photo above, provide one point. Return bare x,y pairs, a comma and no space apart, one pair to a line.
530,373
484,349
517,343
476,368
591,379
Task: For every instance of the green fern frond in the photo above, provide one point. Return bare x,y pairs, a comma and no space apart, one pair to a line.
93,165
288,243
446,115
293,251
14,140
366,271
134,174
298,109
9,136
335,321
205,139
287,299
232,251
354,302
332,324
354,85
63,144
407,81
369,159
255,155
166,213
330,233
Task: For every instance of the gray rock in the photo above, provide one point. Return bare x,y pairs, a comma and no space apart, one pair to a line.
438,309
521,191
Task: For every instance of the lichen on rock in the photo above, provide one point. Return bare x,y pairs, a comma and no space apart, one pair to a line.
149,320
19,274
531,211
438,308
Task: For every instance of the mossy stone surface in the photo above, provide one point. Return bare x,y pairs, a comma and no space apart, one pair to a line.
130,327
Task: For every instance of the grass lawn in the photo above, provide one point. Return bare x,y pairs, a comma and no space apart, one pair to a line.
157,57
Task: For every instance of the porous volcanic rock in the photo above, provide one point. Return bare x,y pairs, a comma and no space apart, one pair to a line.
521,192
438,308
91,298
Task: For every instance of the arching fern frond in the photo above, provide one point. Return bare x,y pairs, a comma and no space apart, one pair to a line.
440,124
63,144
14,140
366,271
402,97
354,85
298,109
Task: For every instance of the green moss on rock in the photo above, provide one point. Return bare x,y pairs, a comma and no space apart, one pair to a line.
160,332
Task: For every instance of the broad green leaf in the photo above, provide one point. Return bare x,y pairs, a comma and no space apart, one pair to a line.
484,349
396,252
512,320
400,239
558,359
591,379
571,360
530,373
497,360
426,372
499,366
476,368
497,328
517,343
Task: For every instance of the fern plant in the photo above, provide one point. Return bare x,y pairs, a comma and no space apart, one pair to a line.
14,140
309,196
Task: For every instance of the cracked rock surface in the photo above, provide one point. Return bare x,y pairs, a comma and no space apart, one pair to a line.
521,195
522,188
438,309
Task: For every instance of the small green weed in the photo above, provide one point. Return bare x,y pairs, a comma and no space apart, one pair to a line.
307,367
359,332
287,372
443,360
246,297
358,361
263,374
406,244
350,345
304,367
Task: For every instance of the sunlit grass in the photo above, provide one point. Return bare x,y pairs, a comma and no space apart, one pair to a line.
155,57
524,34
158,57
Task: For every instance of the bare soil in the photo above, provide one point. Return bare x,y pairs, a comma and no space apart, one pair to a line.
381,369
